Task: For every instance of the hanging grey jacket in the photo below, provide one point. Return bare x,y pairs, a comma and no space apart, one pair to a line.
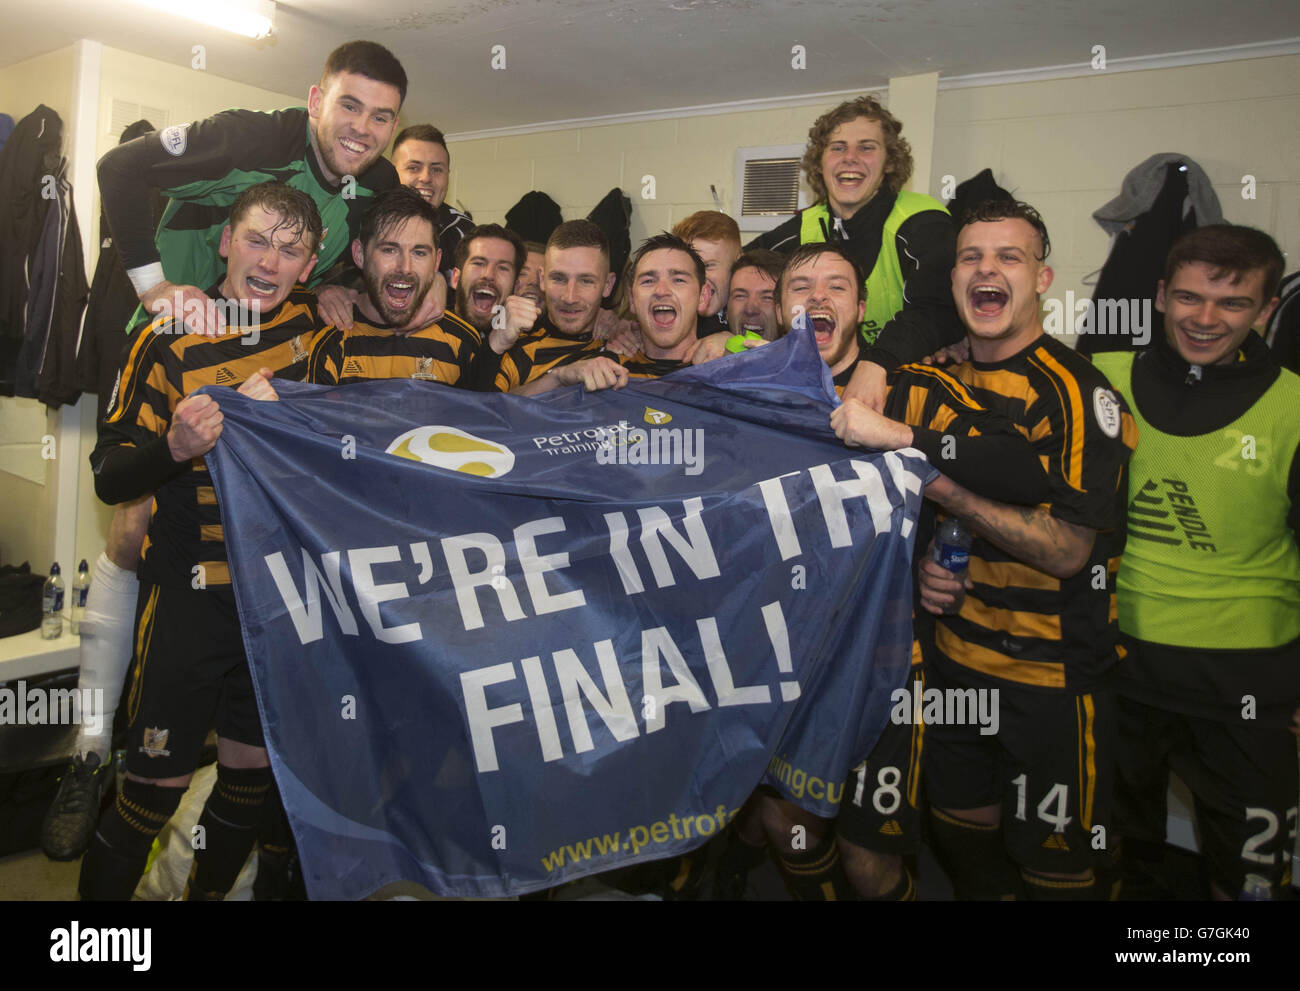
1143,184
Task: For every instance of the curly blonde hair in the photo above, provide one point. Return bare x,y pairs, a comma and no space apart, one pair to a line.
898,153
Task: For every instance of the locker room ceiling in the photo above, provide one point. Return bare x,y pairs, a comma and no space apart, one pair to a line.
569,59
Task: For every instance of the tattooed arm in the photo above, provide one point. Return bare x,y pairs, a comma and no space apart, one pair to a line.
1032,534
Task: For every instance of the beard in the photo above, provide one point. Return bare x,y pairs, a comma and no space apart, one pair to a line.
482,322
396,314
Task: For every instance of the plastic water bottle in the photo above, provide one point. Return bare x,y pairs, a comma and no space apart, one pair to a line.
952,543
52,605
80,586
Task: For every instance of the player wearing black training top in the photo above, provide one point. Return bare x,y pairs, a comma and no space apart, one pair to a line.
423,163
331,150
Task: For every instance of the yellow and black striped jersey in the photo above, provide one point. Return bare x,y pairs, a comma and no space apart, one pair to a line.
1021,624
445,351
164,364
540,350
929,398
639,366
975,446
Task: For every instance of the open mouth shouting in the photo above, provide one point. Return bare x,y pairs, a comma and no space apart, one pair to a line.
663,315
483,298
399,293
988,300
534,292
823,323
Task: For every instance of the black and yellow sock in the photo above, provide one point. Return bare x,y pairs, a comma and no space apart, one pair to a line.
229,824
279,873
975,859
903,891
1057,889
120,847
817,874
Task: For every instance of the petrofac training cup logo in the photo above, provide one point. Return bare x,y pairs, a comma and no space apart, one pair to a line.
454,450
1106,406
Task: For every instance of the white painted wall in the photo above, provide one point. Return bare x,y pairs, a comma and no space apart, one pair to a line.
1063,144
30,486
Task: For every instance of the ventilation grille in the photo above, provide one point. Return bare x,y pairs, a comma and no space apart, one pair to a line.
771,187
768,190
125,113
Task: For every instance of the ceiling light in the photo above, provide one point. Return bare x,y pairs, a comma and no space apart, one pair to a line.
251,18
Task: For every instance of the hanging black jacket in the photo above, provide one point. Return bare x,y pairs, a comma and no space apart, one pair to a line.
56,303
613,215
112,301
42,273
32,152
975,190
1137,256
534,217
1283,332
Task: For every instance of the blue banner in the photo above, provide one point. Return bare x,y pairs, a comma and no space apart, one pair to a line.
500,643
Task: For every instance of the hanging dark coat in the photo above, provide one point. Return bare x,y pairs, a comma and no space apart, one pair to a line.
42,272
56,303
112,302
975,190
1283,331
534,217
613,215
1136,262
32,152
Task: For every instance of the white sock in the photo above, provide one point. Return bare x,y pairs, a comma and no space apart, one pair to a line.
106,632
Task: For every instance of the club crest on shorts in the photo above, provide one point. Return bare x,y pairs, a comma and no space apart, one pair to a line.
155,742
657,416
454,450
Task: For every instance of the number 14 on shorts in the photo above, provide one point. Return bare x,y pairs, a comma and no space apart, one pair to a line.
1051,809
